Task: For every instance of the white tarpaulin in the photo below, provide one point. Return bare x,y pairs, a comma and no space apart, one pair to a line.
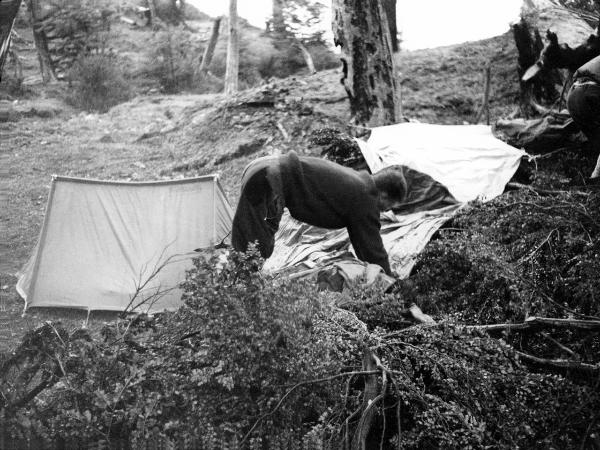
467,159
102,241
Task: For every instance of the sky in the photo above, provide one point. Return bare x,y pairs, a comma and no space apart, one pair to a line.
423,23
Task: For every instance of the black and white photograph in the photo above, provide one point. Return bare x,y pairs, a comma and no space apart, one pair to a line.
299,224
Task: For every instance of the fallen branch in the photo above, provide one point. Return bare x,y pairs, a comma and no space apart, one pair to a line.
286,136
161,132
540,191
540,323
560,364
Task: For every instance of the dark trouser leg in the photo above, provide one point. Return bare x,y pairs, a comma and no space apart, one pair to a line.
583,103
256,219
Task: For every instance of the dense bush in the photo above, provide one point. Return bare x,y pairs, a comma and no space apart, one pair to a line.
253,362
198,378
99,83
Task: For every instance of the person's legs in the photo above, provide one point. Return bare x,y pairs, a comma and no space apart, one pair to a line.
595,143
583,104
257,216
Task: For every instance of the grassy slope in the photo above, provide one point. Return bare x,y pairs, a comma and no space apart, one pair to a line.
440,85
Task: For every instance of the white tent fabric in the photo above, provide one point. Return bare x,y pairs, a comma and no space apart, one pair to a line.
467,159
102,241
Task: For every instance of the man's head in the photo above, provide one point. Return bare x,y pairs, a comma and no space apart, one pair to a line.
391,185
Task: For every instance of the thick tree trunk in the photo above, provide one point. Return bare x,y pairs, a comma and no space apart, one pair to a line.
307,57
231,71
361,29
540,89
210,48
41,43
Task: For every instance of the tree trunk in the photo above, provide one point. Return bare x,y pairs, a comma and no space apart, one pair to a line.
231,71
8,12
278,21
41,43
390,11
210,48
307,57
360,28
540,89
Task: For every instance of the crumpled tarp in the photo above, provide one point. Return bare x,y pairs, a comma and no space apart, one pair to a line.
467,159
540,135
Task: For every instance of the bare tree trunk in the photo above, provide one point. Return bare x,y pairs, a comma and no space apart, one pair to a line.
231,71
542,88
361,29
152,8
307,57
41,43
8,12
210,48
390,11
277,21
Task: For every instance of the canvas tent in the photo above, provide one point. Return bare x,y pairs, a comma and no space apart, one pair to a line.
102,240
467,159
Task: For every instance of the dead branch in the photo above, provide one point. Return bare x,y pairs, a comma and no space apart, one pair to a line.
296,386
543,192
162,132
536,323
371,397
561,346
284,133
560,364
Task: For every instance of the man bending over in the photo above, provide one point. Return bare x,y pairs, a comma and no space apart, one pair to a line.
320,193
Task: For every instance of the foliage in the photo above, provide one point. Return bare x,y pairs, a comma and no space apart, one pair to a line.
174,55
519,256
217,365
300,20
589,6
99,83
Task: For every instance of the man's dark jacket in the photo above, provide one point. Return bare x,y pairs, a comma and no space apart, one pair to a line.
320,193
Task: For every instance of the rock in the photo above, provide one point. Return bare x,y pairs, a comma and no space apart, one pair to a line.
7,112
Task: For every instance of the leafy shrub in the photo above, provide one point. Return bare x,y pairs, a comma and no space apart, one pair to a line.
221,362
174,55
219,374
99,83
